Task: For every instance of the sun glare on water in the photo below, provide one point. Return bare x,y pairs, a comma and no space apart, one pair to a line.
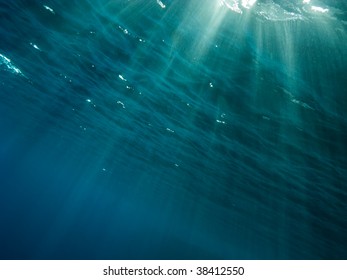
248,3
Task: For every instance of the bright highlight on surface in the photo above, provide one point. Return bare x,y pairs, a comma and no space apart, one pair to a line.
161,4
49,9
234,5
319,9
274,10
7,62
248,3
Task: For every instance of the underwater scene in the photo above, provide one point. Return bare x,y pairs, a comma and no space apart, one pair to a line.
173,129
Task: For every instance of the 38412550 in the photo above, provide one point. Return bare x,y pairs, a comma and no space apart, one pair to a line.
223,270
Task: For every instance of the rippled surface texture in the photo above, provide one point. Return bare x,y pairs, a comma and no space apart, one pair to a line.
133,129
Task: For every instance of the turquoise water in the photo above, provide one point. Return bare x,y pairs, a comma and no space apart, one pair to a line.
173,129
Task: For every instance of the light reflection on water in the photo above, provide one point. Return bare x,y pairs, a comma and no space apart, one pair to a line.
277,10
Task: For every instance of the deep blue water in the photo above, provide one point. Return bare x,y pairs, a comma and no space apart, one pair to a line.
182,129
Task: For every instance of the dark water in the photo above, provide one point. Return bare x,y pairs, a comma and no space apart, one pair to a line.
173,130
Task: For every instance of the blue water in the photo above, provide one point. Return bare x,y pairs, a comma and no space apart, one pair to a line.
179,129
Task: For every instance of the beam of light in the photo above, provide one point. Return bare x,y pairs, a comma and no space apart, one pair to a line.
275,46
